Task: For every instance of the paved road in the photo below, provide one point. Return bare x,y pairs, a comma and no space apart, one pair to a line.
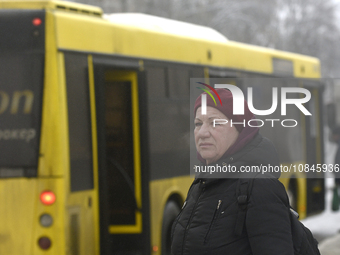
330,246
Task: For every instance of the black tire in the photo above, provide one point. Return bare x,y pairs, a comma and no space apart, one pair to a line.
171,211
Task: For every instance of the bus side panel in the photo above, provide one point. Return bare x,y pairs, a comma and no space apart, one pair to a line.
17,213
20,229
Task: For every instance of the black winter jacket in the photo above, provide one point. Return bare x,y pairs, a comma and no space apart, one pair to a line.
206,223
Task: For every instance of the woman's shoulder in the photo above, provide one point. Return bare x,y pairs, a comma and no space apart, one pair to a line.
268,191
259,151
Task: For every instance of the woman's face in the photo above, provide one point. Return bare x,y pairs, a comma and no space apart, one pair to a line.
212,142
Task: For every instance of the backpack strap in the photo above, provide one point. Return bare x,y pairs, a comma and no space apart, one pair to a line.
243,191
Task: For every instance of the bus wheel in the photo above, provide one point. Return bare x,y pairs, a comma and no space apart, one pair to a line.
292,193
171,210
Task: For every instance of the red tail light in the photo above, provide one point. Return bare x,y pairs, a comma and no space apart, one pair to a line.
47,197
36,22
44,243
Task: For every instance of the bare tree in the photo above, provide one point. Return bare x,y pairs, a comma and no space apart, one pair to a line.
309,27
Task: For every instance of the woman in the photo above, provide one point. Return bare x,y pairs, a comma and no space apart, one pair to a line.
207,222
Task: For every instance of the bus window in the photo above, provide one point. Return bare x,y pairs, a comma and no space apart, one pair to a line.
170,151
119,152
21,79
179,83
79,121
156,83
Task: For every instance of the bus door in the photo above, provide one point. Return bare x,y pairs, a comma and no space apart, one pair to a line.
314,148
120,189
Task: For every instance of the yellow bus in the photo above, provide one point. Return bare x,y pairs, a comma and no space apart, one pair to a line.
94,125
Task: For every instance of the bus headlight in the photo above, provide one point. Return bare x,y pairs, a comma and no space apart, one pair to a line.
46,220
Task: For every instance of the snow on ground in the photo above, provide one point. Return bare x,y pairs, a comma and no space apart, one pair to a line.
327,223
